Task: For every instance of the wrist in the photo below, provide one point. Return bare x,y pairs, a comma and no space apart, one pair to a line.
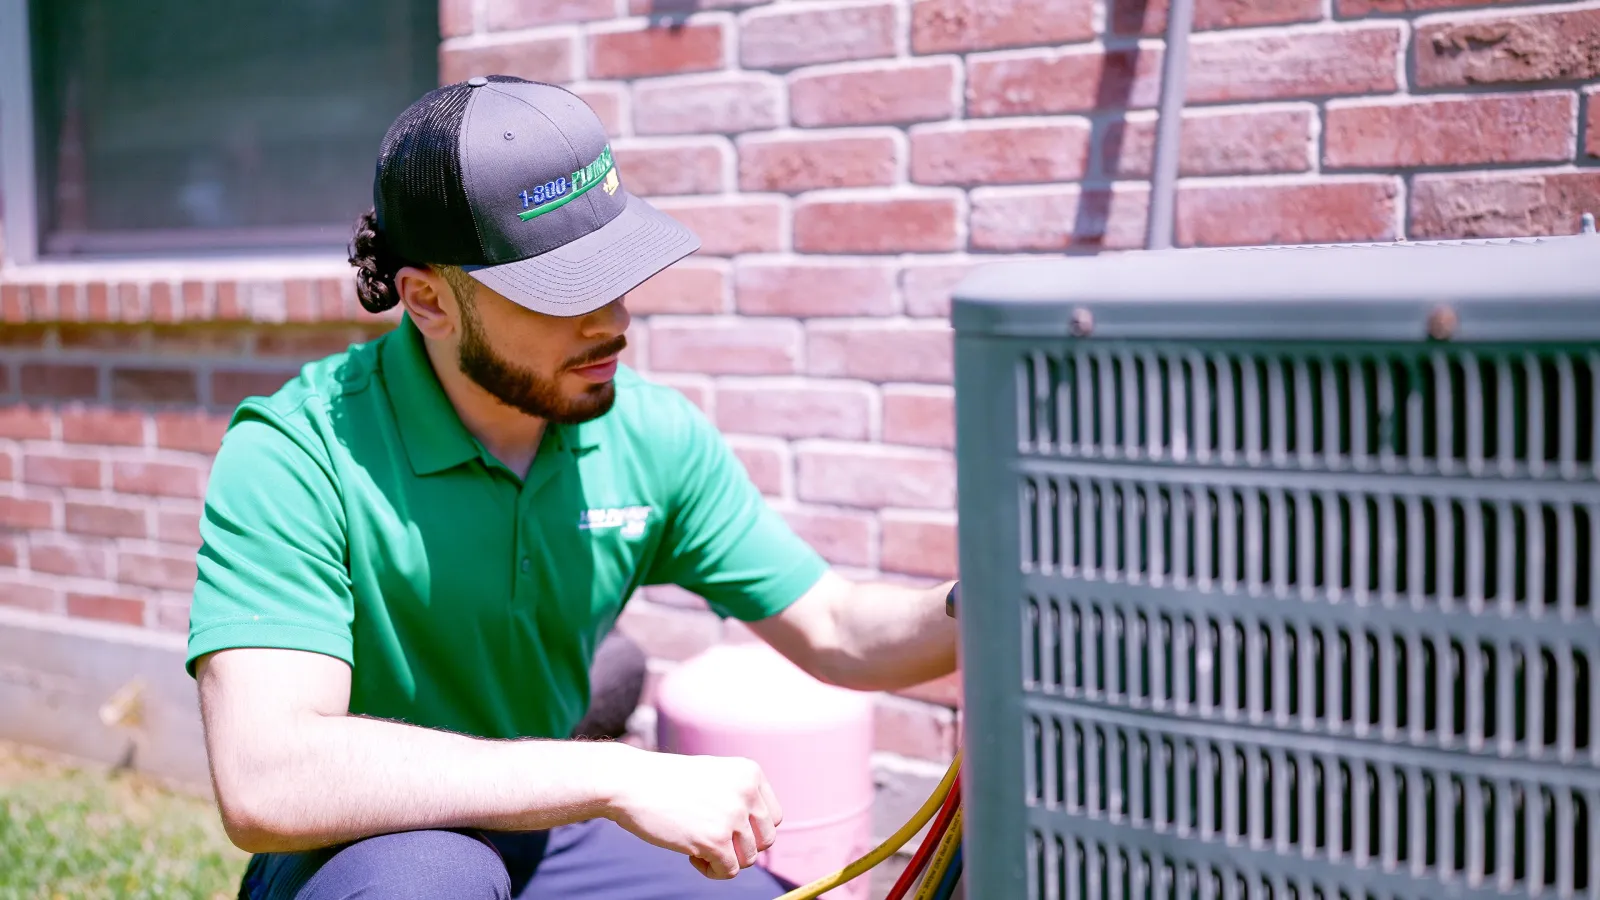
613,768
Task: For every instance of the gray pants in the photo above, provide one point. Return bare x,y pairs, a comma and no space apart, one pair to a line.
595,859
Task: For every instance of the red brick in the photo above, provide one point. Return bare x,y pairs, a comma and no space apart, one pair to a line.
196,432
690,286
791,164
806,288
665,632
173,572
1250,141
69,302
1305,62
919,415
178,527
1591,137
158,479
104,521
126,610
72,558
881,351
8,466
1508,204
109,338
721,347
1532,127
21,595
131,305
918,544
917,730
230,306
25,513
874,476
303,344
41,302
58,381
140,385
1354,209
102,426
795,409
766,460
54,470
1075,79
787,36
696,388
1149,17
31,335
230,388
456,17
195,305
925,286
608,102
10,551
508,15
673,166
1008,152
97,302
886,93
726,103
24,423
1057,218
945,691
548,59
634,51
835,224
636,353
1356,9
843,537
163,302
196,340
13,305
730,225
945,26
1556,45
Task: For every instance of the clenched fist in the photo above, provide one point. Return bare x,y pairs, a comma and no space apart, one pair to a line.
719,811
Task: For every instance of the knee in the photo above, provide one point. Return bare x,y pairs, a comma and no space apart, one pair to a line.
413,865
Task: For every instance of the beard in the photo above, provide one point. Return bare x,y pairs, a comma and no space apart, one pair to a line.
528,391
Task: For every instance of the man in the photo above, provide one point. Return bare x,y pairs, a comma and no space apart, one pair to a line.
412,550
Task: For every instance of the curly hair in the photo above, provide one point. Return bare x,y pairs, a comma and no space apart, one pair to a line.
376,266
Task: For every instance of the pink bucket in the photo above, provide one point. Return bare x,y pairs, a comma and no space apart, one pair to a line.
813,741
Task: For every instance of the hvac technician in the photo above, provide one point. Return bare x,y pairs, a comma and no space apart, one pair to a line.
412,550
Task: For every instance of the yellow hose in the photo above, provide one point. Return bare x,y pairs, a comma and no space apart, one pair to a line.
943,855
886,849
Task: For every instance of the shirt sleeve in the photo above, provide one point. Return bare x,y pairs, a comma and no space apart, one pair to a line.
722,540
272,569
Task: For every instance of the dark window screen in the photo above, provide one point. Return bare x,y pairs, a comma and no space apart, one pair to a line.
170,125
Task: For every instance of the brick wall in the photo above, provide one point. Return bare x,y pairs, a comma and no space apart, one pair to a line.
844,162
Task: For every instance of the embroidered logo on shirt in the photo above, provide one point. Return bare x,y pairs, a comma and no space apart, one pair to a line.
631,519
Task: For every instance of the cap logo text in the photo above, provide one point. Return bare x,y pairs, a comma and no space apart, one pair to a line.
552,195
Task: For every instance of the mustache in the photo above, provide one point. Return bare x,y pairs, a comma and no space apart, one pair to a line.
604,351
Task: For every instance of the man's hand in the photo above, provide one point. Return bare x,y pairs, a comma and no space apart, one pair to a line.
720,811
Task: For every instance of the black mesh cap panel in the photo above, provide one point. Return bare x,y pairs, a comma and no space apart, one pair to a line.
422,209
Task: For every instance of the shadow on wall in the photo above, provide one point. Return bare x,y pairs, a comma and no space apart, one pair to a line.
1118,76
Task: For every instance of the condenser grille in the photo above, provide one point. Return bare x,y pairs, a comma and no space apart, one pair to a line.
1308,623
1507,412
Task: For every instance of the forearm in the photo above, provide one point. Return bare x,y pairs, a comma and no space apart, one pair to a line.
337,778
889,637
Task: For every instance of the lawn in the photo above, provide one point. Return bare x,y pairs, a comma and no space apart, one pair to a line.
80,832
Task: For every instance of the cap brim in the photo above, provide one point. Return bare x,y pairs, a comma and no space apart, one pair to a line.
581,276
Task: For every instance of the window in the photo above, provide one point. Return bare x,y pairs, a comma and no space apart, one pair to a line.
167,125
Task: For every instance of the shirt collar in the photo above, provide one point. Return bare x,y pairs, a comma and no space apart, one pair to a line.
434,438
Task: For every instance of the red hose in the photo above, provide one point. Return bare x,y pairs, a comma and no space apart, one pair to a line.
941,823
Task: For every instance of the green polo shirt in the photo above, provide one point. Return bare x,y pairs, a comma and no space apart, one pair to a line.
352,514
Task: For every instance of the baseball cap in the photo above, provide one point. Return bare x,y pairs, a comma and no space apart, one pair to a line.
514,182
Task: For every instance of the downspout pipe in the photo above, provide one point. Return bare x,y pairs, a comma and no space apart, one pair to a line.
1164,174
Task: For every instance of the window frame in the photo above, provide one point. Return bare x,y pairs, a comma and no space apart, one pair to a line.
19,198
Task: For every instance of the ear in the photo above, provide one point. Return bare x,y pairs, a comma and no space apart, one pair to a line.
427,298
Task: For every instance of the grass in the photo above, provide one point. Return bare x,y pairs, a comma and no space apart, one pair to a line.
71,830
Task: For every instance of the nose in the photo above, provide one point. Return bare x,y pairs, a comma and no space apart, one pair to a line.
608,321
